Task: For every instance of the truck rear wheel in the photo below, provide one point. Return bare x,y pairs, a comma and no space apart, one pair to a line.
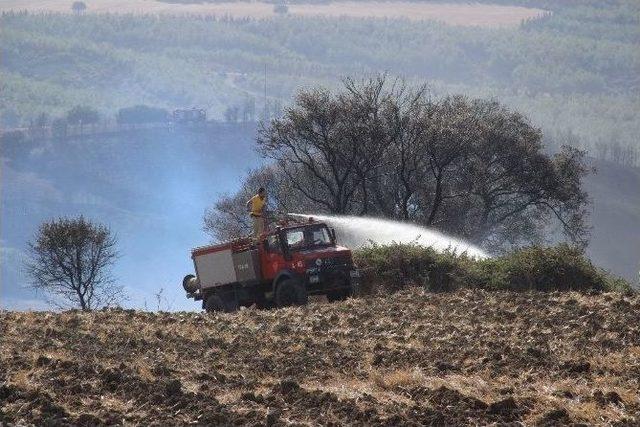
291,292
215,304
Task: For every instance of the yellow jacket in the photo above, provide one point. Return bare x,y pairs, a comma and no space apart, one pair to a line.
256,205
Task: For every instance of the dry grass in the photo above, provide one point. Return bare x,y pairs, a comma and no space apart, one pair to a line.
399,378
462,358
455,14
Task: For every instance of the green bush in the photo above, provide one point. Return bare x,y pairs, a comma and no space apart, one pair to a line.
560,268
388,268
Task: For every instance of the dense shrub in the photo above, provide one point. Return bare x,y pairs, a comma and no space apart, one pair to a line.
560,268
391,267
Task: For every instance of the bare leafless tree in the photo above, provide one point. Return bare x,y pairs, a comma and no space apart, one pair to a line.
70,260
329,143
472,168
78,7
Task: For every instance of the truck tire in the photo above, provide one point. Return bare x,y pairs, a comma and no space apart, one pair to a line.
261,301
342,294
215,304
338,295
291,292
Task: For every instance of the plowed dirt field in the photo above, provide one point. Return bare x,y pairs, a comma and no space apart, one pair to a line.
414,358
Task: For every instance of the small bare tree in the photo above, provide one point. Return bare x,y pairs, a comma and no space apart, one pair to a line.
78,7
70,259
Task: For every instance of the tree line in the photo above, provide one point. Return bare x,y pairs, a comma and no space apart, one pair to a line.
84,117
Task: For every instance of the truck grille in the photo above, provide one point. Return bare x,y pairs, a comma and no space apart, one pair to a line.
329,263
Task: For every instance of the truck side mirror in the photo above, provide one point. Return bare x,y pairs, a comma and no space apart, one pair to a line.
332,232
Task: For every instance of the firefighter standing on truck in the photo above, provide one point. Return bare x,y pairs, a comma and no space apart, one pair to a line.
255,206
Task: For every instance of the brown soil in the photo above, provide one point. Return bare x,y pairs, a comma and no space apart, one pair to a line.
455,14
463,358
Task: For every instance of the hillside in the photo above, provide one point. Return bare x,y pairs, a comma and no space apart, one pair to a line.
413,358
574,69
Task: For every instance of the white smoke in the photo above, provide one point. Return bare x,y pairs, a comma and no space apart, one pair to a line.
356,232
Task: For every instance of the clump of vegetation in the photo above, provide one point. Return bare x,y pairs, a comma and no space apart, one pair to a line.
559,268
388,268
281,9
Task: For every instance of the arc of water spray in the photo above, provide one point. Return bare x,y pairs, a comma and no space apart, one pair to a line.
357,231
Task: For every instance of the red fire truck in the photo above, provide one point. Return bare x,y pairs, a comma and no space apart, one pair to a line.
282,268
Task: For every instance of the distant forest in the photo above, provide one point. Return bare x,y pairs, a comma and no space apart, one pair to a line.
575,71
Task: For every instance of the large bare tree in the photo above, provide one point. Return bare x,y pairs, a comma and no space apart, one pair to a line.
471,168
329,144
70,260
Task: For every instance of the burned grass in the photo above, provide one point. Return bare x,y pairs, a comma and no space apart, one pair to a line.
465,358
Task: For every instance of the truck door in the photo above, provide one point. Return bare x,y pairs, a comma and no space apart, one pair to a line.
272,260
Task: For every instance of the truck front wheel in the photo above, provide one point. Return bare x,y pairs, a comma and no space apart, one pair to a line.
343,293
338,295
291,292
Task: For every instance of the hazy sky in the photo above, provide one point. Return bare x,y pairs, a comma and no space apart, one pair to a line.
152,195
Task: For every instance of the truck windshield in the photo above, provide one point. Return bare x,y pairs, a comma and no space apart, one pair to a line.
308,237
